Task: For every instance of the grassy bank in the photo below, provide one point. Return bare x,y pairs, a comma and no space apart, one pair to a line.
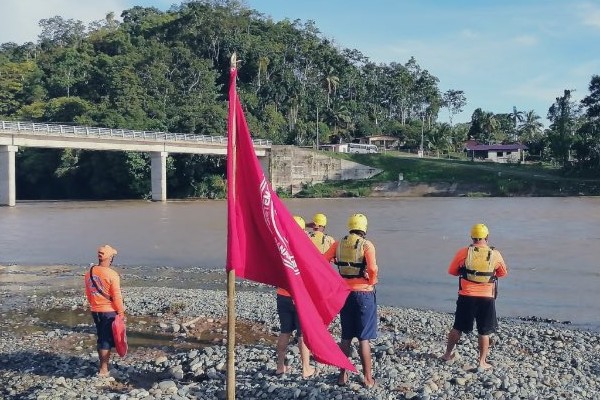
470,178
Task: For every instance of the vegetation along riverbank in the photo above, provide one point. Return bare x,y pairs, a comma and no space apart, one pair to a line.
432,176
166,71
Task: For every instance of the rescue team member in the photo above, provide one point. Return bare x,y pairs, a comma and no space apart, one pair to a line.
318,235
355,257
288,321
478,267
103,291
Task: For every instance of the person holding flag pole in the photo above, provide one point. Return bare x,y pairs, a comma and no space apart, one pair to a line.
288,321
265,244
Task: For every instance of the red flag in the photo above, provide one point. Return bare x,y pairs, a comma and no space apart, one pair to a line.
265,244
120,335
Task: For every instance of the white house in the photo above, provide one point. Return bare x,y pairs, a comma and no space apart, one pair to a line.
500,153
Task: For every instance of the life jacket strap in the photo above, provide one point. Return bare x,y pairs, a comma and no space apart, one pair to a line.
478,273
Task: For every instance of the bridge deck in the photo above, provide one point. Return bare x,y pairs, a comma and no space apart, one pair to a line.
31,134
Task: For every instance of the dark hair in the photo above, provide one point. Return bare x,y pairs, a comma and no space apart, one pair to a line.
358,232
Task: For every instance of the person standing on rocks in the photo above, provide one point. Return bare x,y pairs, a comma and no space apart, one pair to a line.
478,267
103,291
355,258
318,235
288,322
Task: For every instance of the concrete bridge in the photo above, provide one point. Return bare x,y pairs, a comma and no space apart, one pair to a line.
14,134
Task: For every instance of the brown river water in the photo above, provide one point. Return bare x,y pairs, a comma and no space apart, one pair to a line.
549,244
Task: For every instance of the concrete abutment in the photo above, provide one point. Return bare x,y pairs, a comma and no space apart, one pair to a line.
158,175
8,191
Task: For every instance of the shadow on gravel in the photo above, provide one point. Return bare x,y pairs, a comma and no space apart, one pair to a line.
31,392
47,364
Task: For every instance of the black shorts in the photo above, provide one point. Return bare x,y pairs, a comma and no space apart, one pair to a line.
479,309
103,321
288,318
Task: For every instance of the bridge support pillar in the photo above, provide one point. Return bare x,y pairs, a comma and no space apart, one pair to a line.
158,175
8,191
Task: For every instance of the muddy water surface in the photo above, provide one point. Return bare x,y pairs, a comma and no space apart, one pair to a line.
549,245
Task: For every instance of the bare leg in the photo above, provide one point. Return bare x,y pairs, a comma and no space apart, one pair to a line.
307,369
365,358
345,347
484,347
453,338
104,356
282,343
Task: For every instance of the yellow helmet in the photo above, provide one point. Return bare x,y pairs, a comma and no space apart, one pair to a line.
479,231
105,252
300,221
357,222
319,219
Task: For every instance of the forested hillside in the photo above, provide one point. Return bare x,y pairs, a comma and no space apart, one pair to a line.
167,70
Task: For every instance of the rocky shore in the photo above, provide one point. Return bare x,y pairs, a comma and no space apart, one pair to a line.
177,330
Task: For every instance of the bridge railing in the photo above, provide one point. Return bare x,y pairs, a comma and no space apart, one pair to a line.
87,131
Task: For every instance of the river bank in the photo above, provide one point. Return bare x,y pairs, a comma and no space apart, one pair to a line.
177,328
410,176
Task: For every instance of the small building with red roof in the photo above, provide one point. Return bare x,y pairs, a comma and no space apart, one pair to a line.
500,153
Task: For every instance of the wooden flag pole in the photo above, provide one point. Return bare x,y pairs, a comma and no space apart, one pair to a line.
231,272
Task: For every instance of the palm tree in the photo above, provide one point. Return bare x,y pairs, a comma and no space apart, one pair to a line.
532,133
489,125
340,115
332,82
516,117
439,138
263,63
532,126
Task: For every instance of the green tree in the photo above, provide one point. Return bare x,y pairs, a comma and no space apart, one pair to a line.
454,101
331,82
489,127
587,143
484,126
562,115
57,31
532,134
14,77
68,67
516,117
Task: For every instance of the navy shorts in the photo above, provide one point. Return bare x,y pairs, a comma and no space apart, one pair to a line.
359,316
479,309
103,321
288,318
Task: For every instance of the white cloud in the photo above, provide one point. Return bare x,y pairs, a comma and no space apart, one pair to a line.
469,34
526,40
586,69
20,17
590,15
542,87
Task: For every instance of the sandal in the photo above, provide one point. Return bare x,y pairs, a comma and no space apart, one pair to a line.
342,378
370,385
315,373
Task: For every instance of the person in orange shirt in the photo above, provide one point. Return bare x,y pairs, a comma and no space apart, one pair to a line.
288,321
478,267
355,257
317,235
103,291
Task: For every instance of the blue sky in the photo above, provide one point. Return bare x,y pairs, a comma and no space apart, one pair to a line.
500,53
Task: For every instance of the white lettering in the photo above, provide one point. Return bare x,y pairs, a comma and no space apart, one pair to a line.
269,215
